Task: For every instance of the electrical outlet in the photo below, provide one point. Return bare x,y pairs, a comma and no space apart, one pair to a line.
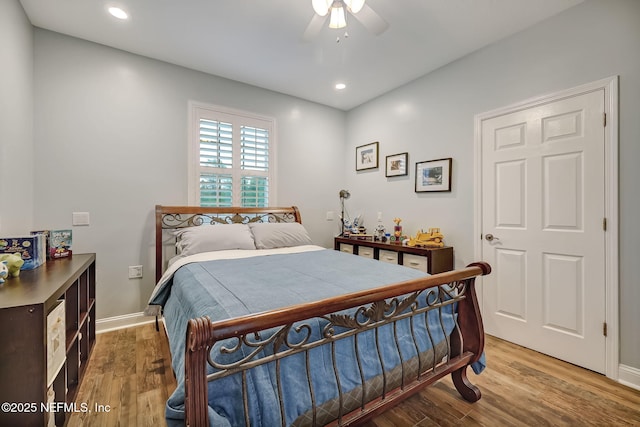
135,272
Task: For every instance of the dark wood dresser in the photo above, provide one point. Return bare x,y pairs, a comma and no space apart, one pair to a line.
47,331
429,260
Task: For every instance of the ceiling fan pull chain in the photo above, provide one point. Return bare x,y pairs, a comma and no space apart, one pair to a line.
346,36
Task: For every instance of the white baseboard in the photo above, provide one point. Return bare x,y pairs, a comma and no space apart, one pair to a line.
120,322
629,376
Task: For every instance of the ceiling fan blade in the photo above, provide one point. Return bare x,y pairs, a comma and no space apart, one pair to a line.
371,20
314,27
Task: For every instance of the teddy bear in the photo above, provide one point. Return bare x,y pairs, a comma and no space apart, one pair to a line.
13,263
4,271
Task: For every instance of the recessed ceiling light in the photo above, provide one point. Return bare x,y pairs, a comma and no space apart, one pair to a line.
340,86
118,13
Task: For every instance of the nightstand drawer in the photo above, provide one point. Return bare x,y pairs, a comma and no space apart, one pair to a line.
416,261
346,248
388,256
365,252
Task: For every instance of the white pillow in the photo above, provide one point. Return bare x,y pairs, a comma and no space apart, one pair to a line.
209,238
269,235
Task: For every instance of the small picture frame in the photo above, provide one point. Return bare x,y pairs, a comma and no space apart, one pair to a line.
433,175
367,156
397,165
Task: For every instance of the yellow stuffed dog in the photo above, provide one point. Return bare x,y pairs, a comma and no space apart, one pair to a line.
14,263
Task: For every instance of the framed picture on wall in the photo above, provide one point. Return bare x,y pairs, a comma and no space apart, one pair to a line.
433,175
397,165
367,156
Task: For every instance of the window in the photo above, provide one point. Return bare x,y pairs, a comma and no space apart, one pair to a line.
230,158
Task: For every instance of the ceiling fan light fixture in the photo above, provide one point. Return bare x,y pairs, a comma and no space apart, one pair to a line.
321,7
354,6
337,10
338,19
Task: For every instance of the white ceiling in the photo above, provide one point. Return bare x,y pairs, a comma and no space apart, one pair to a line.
260,42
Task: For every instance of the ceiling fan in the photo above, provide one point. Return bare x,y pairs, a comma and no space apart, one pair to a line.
336,11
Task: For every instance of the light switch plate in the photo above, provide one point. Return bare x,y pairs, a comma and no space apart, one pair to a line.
80,218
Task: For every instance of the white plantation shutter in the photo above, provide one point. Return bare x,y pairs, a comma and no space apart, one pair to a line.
230,155
254,156
254,191
254,145
216,144
216,190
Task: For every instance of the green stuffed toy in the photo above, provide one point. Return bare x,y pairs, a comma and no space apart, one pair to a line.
14,262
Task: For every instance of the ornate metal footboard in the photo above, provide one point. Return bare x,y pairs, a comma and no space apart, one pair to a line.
270,337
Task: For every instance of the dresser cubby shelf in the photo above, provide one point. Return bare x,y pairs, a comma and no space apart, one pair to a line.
27,304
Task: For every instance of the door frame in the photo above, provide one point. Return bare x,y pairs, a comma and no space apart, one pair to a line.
610,86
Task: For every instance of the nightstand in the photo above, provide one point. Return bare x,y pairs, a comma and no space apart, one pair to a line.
429,260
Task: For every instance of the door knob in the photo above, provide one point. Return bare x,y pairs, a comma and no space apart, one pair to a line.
490,237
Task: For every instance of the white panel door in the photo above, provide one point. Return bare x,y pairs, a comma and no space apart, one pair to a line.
542,222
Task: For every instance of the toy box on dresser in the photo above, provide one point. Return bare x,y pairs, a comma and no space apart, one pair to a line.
32,249
58,242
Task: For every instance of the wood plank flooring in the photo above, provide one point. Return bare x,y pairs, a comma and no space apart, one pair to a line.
130,371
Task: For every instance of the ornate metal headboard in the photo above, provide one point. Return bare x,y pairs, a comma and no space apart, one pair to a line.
175,217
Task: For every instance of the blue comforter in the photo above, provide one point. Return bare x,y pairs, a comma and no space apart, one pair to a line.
228,288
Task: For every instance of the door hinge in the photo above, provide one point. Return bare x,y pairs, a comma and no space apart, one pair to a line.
604,329
604,224
604,119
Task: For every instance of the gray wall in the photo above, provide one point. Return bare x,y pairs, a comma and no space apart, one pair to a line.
433,117
111,140
111,132
16,119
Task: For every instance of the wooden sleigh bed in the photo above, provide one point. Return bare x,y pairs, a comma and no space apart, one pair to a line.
328,358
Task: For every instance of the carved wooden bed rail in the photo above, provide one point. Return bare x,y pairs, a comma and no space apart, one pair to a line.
370,310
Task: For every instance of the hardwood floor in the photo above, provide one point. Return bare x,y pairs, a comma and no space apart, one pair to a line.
130,372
